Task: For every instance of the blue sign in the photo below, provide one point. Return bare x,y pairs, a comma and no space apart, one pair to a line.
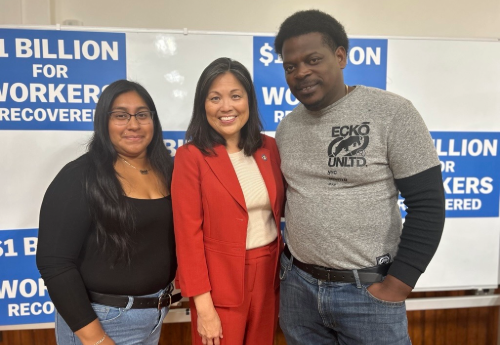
470,165
51,80
367,66
23,296
367,63
173,140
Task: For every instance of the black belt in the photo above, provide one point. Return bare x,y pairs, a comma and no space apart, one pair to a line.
119,301
367,275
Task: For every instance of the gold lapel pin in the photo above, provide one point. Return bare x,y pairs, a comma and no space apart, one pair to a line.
264,157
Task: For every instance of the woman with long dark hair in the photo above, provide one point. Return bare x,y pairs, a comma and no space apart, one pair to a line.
228,195
106,248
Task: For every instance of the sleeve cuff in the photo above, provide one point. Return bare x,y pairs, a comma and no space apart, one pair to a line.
404,272
195,291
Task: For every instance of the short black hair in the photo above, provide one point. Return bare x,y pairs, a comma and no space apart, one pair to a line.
305,22
200,133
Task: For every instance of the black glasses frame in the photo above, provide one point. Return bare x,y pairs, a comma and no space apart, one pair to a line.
152,112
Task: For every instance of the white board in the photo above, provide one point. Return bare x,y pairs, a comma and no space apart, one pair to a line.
454,84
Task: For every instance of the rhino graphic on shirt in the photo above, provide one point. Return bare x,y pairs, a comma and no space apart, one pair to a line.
348,141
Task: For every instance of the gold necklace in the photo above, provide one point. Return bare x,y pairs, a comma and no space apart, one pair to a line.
144,172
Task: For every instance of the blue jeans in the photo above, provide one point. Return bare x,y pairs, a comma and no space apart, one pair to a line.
316,312
124,325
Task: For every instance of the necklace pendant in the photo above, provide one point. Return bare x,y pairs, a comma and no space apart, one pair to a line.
144,172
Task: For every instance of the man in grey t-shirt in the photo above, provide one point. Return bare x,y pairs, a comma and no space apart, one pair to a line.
346,153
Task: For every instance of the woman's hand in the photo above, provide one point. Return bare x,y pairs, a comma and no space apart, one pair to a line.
208,323
210,328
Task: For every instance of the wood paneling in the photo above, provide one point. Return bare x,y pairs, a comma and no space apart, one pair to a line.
474,326
29,337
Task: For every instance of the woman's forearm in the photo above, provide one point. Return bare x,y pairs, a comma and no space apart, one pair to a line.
204,304
93,334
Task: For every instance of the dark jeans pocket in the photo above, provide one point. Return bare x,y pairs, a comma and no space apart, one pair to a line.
379,301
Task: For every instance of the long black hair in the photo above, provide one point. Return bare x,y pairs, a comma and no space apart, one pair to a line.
109,207
199,131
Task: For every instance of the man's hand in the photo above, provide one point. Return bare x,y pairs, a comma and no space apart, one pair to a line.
391,290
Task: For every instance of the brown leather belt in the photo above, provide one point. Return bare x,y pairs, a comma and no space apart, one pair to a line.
366,275
120,301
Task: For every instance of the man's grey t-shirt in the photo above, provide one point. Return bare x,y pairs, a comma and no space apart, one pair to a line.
340,164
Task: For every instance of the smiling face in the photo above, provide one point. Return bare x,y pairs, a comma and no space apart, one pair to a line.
131,139
313,71
227,108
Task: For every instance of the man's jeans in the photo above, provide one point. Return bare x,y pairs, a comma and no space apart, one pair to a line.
316,312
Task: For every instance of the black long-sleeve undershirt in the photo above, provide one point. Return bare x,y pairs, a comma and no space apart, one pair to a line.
423,226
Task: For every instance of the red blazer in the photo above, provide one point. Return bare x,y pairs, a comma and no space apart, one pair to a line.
210,220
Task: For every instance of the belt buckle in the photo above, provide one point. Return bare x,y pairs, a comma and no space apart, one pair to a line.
159,300
322,271
169,300
328,270
331,273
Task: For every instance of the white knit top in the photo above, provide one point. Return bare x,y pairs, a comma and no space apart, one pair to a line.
261,228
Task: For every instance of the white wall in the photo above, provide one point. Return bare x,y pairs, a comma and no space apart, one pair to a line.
423,18
31,12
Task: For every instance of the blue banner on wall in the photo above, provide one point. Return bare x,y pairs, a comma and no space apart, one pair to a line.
173,140
471,172
367,63
470,165
51,80
23,296
367,66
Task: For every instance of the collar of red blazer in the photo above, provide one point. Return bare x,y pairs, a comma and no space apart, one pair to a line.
222,167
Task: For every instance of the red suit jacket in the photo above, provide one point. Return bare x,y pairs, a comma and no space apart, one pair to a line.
210,220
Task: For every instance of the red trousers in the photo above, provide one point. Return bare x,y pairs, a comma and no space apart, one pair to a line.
255,321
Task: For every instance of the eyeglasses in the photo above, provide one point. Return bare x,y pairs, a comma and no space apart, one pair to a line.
121,118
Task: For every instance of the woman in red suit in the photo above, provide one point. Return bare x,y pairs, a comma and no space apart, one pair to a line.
228,197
